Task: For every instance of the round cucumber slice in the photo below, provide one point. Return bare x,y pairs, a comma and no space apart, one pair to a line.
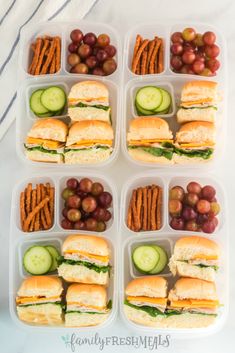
142,111
37,260
166,101
145,258
53,98
163,260
149,97
35,103
54,254
45,115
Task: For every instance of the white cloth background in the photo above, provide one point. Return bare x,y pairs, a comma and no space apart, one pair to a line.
15,15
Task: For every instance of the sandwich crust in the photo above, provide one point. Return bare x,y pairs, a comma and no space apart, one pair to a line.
197,132
148,128
87,243
205,91
87,91
148,286
87,156
188,248
74,319
45,314
49,129
87,294
196,114
39,156
40,286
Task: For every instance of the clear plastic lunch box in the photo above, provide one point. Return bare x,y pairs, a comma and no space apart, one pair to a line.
122,85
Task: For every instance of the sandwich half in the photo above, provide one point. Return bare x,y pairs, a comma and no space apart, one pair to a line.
198,102
150,140
88,142
146,301
86,305
195,257
39,300
193,303
46,140
89,100
85,259
194,143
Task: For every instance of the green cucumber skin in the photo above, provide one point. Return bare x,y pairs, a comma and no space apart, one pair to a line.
47,99
35,103
165,96
35,269
55,255
142,104
162,255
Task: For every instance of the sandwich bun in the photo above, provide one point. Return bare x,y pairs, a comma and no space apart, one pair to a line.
87,156
87,294
196,132
88,91
43,314
142,318
49,129
140,155
87,243
39,156
89,113
199,90
184,269
196,114
148,286
35,286
74,319
148,128
177,159
89,130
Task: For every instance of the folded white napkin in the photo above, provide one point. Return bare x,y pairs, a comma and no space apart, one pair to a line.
14,16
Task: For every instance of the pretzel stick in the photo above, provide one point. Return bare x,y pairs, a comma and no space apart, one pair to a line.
138,54
129,216
138,65
57,54
34,212
134,211
153,209
136,47
149,195
160,65
33,65
42,215
138,207
52,67
150,52
154,55
37,218
41,56
22,209
144,62
52,201
49,57
145,205
28,198
159,209
34,204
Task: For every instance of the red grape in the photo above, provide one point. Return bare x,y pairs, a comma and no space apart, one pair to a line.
80,225
176,193
213,64
107,216
198,41
191,226
198,66
98,71
208,192
73,215
84,214
80,69
64,212
73,59
90,39
109,66
101,55
202,218
176,48
175,207
209,38
66,224
215,208
89,204
66,193
85,185
191,199
81,194
177,37
194,187
110,50
188,213
103,40
84,51
215,221
91,62
200,57
76,36
185,69
101,226
203,206
99,214
73,201
97,189
188,34
189,47
72,48
72,183
95,50
91,224
177,223
212,51
105,199
208,227
188,57
176,62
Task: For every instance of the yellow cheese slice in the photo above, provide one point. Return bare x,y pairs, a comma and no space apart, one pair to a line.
205,144
98,99
97,257
141,142
24,300
198,101
204,257
44,143
86,305
161,301
194,303
92,142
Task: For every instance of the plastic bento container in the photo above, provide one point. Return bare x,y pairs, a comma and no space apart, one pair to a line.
175,82
20,241
167,237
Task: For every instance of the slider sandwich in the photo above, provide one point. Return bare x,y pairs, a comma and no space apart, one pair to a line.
193,303
39,300
195,257
198,102
46,140
150,140
146,301
89,100
85,260
86,305
194,143
89,141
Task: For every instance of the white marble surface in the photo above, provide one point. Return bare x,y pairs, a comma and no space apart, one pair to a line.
122,14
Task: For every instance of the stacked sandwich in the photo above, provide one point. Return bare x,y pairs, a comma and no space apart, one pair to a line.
39,300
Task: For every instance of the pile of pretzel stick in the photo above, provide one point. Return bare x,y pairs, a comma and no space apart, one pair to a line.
145,209
148,56
46,57
37,207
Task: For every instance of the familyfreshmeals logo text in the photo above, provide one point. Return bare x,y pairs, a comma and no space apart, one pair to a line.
73,342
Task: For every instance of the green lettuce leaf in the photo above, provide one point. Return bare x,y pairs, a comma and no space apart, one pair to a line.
83,105
89,265
152,311
41,149
87,149
155,151
209,106
55,303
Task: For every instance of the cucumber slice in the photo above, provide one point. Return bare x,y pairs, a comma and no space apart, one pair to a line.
55,255
145,258
163,260
149,97
166,101
142,111
45,115
53,98
37,260
35,102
